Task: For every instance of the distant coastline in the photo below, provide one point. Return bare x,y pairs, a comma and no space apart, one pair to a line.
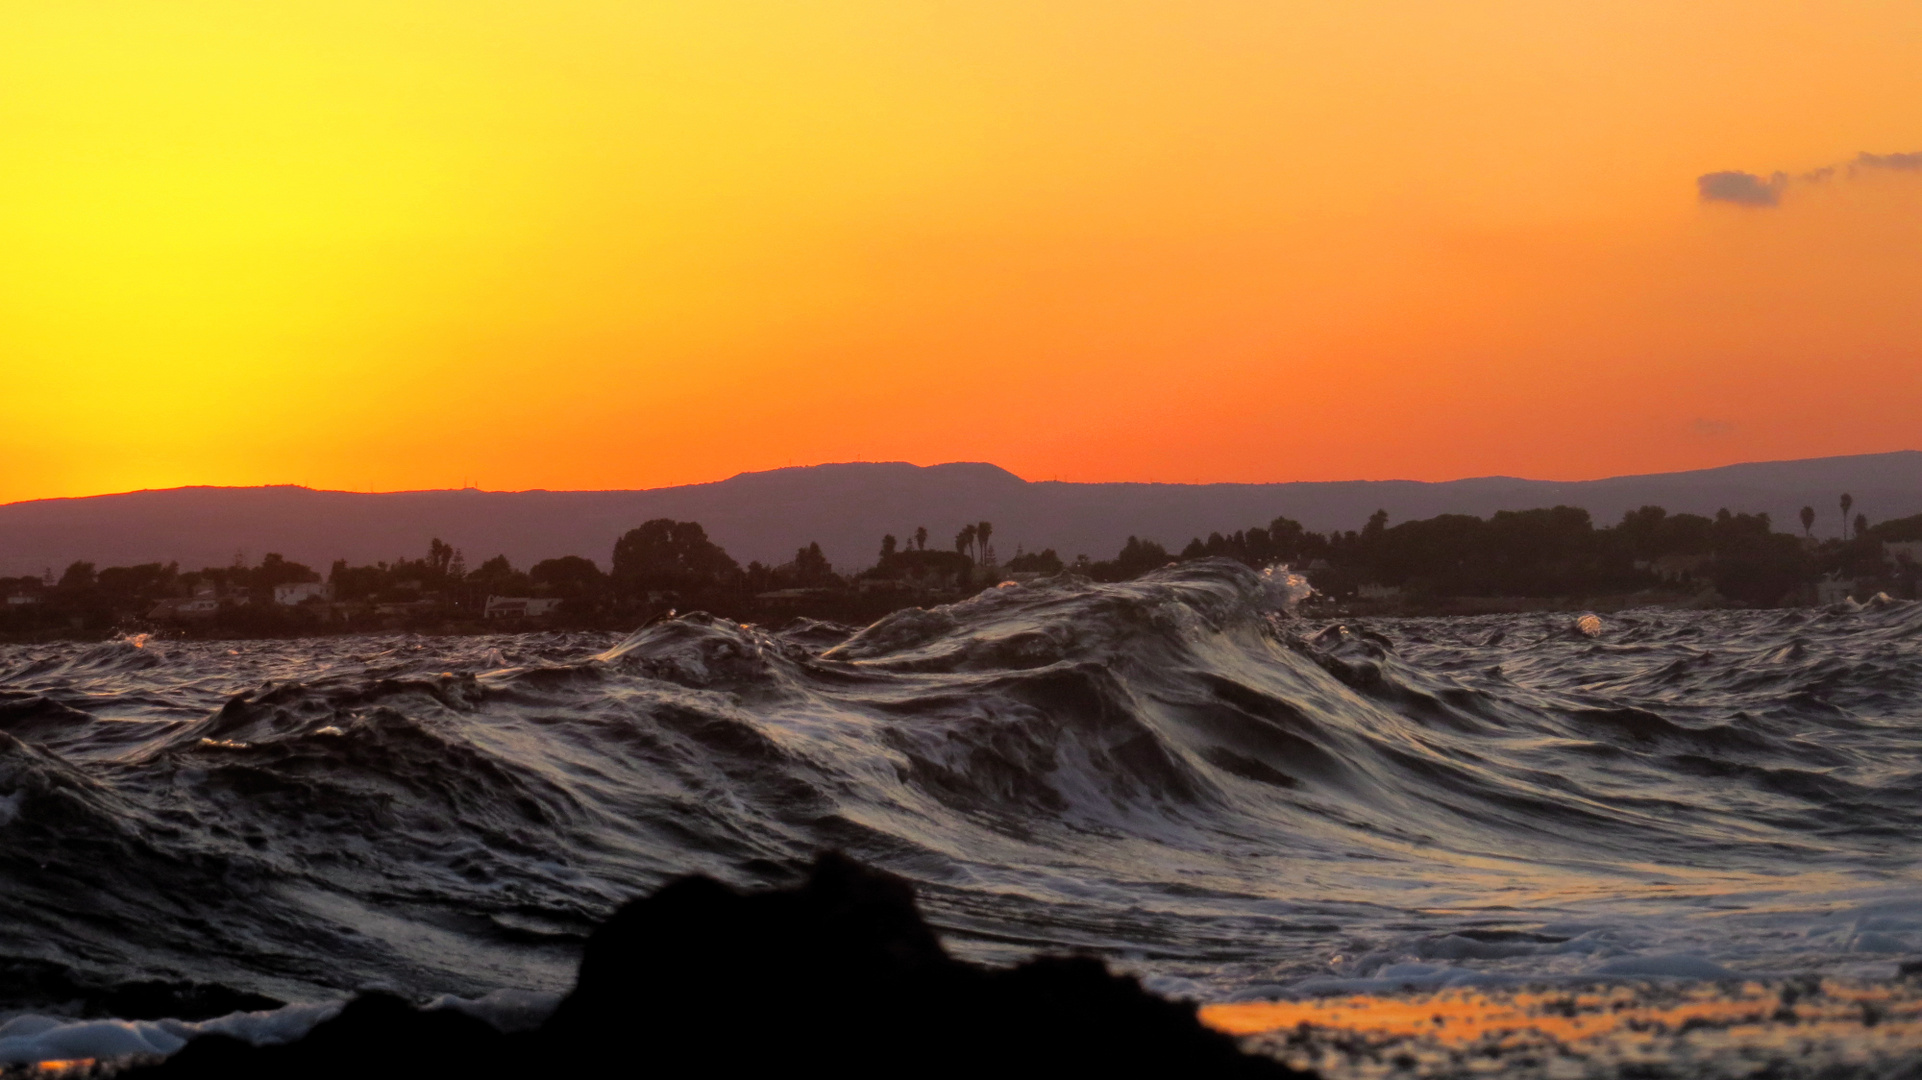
1549,559
847,507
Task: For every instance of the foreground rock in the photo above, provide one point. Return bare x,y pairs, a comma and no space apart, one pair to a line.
840,975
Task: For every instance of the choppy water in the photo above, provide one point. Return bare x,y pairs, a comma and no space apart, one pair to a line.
1176,773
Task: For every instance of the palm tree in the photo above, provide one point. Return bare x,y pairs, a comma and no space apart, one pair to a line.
1808,521
981,534
1847,501
964,539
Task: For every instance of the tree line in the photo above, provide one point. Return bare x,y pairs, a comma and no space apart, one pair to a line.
1556,552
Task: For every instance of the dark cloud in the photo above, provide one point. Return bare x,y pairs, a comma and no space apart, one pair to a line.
1747,189
1867,160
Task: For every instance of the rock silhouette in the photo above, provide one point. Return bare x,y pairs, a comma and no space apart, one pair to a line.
839,975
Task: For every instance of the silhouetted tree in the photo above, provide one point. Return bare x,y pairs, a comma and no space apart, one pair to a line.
1754,564
1289,542
921,537
964,540
1808,521
811,566
440,557
887,546
981,534
1898,529
569,577
927,568
1044,561
497,577
668,554
1652,532
134,587
354,582
1847,501
1140,556
275,570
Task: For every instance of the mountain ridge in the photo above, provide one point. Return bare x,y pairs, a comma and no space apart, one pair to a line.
847,506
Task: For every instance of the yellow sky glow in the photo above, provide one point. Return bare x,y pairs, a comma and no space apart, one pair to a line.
572,244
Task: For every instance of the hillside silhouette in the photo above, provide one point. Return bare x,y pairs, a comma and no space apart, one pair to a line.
844,507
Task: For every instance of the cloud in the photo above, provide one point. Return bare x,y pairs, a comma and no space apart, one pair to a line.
1747,189
1867,160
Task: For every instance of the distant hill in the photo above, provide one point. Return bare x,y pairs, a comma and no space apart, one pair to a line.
848,507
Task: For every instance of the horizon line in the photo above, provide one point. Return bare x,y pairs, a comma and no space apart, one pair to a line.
938,465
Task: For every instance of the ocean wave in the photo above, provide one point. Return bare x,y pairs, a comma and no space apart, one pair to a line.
1182,773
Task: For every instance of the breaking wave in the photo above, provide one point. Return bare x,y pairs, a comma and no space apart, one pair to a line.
1177,773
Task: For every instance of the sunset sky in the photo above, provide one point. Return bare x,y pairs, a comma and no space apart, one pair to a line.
391,244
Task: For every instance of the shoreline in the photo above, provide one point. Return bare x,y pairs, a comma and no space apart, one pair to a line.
1390,608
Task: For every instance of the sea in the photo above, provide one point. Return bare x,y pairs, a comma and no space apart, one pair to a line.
1191,775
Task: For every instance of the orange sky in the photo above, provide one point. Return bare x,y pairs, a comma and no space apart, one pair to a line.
381,244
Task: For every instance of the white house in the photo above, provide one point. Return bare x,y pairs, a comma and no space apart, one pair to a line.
197,607
520,607
1909,551
295,592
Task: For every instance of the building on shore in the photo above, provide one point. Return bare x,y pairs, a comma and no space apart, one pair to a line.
298,592
1908,551
520,607
201,606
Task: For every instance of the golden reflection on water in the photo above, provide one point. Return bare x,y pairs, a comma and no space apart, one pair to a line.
1711,1029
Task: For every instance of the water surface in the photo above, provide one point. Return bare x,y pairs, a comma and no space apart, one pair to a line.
1177,773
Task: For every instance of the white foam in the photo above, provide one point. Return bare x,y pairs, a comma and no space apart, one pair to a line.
1285,588
42,1038
506,1010
31,1037
267,1028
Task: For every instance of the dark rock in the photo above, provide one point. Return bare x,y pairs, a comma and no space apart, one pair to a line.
840,975
376,1035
